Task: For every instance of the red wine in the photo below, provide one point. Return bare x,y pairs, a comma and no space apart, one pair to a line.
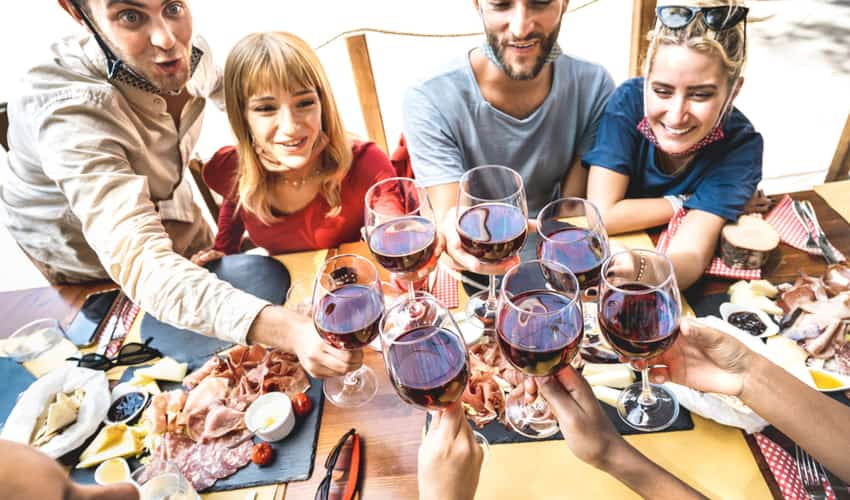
404,245
540,345
431,373
348,317
578,249
638,325
492,232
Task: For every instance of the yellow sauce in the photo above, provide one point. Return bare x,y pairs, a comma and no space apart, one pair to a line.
824,381
111,471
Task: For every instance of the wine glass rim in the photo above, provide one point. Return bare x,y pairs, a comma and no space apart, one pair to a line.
671,276
575,298
572,199
376,280
420,295
395,179
519,190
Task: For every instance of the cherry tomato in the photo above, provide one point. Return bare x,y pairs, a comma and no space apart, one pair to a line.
262,454
302,404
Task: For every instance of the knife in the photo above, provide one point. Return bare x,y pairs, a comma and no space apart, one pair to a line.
820,237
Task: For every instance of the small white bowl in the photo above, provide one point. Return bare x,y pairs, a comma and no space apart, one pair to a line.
728,308
270,416
121,390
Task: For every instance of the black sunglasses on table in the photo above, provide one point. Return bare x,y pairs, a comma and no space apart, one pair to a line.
129,354
715,18
342,470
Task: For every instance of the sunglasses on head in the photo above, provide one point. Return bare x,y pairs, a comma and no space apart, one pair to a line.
130,354
342,470
715,18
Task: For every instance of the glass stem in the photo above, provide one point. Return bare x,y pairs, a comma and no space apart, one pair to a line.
492,298
646,397
351,379
411,293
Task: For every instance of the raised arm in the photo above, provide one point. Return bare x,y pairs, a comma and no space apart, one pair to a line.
607,189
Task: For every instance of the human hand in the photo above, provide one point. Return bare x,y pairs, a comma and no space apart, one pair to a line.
705,359
319,358
758,203
460,259
586,429
205,256
449,457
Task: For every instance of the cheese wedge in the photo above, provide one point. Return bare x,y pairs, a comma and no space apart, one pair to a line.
764,287
113,441
617,376
146,384
787,354
607,395
164,369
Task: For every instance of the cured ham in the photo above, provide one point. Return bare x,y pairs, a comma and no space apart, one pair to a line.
196,427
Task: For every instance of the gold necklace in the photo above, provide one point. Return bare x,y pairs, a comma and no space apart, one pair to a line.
297,183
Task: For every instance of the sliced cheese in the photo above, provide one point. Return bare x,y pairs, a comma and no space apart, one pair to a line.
164,369
594,368
113,441
617,376
146,384
765,288
607,395
787,354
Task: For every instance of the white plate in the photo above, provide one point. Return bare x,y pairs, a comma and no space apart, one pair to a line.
66,378
728,308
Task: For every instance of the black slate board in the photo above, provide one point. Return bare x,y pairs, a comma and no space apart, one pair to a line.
262,276
15,379
293,460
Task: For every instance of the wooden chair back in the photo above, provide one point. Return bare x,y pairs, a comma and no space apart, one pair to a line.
196,166
367,92
840,167
4,126
643,17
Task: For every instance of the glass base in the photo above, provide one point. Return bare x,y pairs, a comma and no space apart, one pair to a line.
535,420
352,389
654,416
477,310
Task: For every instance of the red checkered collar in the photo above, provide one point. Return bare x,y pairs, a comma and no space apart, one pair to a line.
715,135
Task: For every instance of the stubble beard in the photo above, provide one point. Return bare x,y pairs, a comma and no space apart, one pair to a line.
547,43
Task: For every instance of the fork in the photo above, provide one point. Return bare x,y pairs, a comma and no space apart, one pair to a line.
811,474
823,243
798,211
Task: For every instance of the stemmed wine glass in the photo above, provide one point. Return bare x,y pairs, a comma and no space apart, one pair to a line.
572,233
401,229
492,223
639,312
539,330
425,355
347,306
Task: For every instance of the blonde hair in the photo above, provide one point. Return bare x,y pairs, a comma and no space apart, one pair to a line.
729,45
263,62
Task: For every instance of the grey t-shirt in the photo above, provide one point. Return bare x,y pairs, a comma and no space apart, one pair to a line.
450,128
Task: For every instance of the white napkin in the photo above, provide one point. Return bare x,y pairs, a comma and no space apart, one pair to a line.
727,410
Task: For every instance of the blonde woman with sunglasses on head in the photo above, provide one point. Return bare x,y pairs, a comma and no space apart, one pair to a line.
672,139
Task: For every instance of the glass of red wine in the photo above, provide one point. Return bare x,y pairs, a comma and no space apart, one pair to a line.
347,308
401,230
492,223
639,312
425,355
572,233
539,329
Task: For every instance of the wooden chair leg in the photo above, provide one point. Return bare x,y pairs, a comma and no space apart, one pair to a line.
367,93
643,16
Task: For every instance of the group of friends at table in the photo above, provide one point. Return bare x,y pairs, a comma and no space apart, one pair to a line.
102,130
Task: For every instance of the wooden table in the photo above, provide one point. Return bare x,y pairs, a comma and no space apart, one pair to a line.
391,429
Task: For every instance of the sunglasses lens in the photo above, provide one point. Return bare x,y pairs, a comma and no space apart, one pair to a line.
134,353
95,362
721,18
675,17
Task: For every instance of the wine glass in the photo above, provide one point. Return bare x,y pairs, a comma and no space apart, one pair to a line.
492,223
639,312
572,233
401,229
539,330
163,481
347,306
425,355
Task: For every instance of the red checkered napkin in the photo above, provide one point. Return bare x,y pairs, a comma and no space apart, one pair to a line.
126,316
717,267
784,470
445,288
791,230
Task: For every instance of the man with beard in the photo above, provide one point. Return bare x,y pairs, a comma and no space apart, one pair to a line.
515,101
95,185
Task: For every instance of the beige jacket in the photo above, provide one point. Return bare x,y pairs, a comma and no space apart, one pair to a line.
93,169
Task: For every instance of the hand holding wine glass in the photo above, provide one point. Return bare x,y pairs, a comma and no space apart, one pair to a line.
639,311
450,459
347,306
